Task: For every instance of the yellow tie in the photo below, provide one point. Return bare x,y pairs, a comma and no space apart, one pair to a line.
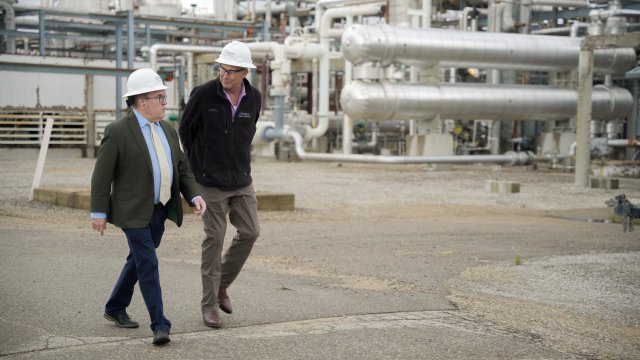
165,181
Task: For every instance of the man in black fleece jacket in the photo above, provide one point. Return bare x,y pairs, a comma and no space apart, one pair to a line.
217,127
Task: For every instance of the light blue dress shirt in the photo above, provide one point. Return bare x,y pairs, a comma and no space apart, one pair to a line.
145,126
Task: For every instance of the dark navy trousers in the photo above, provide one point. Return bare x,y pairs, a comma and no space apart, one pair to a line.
142,267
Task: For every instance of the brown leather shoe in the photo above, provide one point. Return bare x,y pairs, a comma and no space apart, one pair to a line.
212,318
225,302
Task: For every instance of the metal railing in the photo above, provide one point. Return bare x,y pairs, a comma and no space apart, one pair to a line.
26,127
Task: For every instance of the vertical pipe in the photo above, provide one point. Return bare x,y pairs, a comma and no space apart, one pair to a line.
180,85
347,128
253,11
10,26
294,22
324,25
583,118
147,35
426,10
41,32
315,71
118,66
399,13
633,125
525,17
324,72
91,117
495,25
218,9
267,21
190,76
131,41
452,74
231,10
278,110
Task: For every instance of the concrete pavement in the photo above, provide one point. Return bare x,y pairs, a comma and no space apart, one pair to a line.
347,280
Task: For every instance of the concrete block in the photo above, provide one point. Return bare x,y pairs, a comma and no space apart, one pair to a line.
266,202
503,187
508,187
612,183
276,201
73,198
604,183
438,145
83,200
65,197
415,144
45,195
491,186
8,153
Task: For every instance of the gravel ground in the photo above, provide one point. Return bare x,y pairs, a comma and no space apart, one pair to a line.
582,303
321,185
585,304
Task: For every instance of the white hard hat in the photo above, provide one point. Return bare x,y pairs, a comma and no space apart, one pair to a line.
236,53
143,81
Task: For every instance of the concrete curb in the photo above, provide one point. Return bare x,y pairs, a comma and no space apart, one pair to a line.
81,199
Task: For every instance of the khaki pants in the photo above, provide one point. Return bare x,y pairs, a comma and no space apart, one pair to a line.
242,207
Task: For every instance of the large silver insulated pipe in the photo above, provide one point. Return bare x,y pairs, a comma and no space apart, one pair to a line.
400,101
452,48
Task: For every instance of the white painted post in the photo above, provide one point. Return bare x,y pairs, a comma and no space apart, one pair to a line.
583,117
44,146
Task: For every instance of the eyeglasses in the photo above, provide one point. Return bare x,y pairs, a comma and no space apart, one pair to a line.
161,98
224,71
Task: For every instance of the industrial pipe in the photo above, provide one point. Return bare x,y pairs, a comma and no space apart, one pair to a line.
389,100
562,3
9,25
323,5
510,158
466,12
324,66
297,48
452,48
155,48
606,142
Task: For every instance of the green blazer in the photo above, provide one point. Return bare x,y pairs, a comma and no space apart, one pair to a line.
122,181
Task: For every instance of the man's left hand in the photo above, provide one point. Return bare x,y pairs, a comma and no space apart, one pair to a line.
201,206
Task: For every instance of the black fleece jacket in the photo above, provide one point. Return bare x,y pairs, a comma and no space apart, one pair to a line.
218,145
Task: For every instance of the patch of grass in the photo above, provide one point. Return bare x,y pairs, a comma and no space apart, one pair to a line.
518,260
617,219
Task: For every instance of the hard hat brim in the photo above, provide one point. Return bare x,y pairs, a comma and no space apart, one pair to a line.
144,91
234,63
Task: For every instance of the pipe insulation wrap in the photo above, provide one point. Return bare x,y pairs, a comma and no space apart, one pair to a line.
389,100
452,48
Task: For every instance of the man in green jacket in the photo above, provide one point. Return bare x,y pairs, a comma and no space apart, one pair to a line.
139,175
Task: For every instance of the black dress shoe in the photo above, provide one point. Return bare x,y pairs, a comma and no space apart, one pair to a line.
122,320
161,337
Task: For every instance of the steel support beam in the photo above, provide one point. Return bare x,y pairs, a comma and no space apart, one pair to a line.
585,86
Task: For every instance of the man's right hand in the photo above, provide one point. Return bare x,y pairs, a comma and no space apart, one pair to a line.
99,225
